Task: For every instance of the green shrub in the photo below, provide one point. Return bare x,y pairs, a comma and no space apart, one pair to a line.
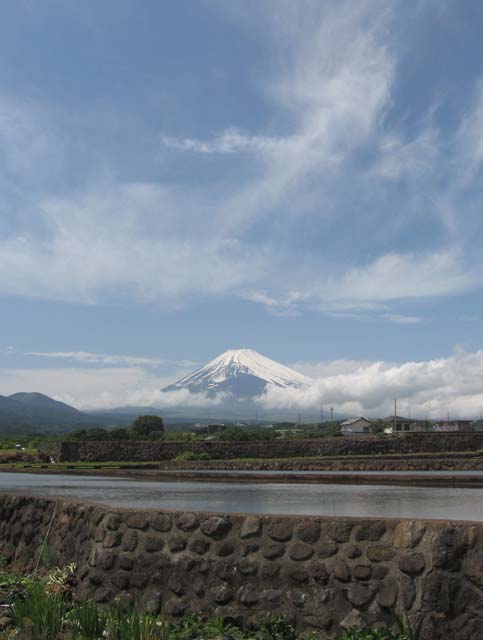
274,628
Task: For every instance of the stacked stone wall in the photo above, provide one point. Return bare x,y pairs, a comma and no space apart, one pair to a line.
416,443
373,463
323,573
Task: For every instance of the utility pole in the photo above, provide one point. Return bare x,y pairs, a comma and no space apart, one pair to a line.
395,414
332,414
321,414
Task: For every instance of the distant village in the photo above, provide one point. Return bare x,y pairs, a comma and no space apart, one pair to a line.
356,426
399,424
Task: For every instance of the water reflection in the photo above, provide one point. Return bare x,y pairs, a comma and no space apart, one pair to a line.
307,499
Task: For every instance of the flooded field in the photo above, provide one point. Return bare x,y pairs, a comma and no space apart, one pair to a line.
283,498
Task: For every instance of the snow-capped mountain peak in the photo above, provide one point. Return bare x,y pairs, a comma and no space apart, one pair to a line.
242,373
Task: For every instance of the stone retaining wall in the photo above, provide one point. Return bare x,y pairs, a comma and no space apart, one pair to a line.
323,573
90,451
373,463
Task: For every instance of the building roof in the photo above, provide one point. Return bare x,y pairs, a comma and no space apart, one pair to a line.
399,419
347,423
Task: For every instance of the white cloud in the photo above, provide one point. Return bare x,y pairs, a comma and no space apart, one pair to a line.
286,306
128,241
230,141
469,142
428,388
81,387
415,159
333,85
397,276
398,318
7,350
102,358
439,168
176,399
317,370
102,388
364,292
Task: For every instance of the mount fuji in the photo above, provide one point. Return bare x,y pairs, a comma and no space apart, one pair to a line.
241,374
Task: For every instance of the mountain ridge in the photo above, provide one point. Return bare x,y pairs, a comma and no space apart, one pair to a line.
25,412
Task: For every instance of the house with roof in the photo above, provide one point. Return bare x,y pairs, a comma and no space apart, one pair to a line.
399,424
355,426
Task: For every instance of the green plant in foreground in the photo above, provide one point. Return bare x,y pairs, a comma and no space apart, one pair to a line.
403,631
11,581
220,628
42,611
87,621
275,628
188,628
132,625
368,634
57,580
405,627
39,615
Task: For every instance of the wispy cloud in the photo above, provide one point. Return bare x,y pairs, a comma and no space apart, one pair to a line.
230,141
368,290
330,162
82,387
7,350
89,388
414,159
399,318
122,259
287,305
108,359
397,276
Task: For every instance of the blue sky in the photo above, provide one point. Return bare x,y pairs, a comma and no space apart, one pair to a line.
182,178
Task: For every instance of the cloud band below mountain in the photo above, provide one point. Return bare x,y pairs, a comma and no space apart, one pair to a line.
429,388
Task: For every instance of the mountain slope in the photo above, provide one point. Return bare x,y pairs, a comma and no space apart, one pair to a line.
38,403
242,373
29,412
9,406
